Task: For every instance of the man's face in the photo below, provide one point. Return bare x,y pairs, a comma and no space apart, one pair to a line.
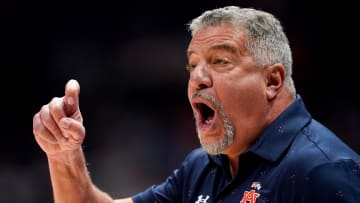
226,90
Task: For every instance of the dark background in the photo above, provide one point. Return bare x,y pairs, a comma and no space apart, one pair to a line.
129,58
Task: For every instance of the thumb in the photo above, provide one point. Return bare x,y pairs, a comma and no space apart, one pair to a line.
71,98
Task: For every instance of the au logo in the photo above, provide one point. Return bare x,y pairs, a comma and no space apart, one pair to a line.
252,195
202,199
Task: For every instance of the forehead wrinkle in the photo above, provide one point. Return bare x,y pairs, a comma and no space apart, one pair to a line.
224,46
218,41
220,46
207,39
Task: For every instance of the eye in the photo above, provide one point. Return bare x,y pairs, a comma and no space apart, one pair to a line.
220,61
190,67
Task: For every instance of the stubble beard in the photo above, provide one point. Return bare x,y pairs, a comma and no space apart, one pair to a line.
219,146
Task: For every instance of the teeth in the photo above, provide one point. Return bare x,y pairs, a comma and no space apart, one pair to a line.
207,121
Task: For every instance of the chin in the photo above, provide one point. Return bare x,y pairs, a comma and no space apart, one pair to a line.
214,144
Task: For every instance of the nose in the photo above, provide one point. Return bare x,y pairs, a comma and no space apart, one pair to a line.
200,77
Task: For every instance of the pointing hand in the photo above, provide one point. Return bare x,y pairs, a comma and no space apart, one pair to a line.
58,126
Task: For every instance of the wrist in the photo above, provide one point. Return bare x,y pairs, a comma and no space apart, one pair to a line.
68,157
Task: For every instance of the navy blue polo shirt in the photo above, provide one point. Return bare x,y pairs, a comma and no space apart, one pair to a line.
296,159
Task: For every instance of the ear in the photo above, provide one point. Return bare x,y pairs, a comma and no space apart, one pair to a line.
275,76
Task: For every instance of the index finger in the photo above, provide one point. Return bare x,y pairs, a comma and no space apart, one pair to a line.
71,98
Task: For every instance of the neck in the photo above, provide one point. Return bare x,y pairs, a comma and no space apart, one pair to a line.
234,165
284,100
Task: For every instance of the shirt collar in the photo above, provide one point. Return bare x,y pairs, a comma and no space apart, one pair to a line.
277,137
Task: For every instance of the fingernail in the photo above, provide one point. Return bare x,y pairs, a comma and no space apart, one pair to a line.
65,123
70,101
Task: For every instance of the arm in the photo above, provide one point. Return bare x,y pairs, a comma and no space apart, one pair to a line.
71,181
59,131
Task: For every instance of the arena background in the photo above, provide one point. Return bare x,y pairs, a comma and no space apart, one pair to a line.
129,57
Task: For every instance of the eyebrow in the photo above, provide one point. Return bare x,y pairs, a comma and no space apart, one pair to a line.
226,47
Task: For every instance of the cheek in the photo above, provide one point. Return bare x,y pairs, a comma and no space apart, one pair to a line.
243,98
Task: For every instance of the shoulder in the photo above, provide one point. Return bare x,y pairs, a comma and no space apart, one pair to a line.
196,157
337,181
316,145
313,147
193,166
331,171
321,167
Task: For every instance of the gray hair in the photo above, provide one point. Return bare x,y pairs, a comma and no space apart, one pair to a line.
266,38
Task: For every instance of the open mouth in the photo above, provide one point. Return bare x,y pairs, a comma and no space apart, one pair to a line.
206,114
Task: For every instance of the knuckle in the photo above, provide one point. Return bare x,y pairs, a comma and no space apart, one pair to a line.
37,125
36,118
44,113
55,104
44,108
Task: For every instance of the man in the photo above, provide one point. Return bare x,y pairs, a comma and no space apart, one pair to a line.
259,143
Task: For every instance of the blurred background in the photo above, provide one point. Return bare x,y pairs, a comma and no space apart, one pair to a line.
129,58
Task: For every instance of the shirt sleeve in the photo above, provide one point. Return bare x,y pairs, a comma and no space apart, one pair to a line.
172,189
165,192
337,182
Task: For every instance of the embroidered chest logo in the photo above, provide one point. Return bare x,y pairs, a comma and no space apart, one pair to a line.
202,199
252,195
